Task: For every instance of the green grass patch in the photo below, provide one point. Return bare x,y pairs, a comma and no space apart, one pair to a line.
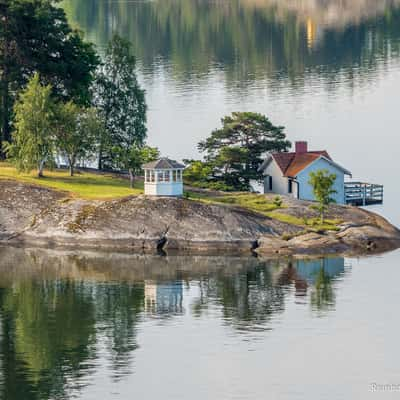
311,224
249,201
83,185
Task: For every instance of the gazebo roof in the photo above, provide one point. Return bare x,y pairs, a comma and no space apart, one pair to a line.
163,163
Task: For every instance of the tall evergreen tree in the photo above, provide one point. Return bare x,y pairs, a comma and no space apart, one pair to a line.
119,97
35,37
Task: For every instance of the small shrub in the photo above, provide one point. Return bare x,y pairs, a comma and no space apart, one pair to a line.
286,236
278,201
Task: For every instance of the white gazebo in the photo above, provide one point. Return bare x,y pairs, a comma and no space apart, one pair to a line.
163,177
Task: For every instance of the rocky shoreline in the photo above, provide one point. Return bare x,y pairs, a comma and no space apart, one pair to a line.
33,215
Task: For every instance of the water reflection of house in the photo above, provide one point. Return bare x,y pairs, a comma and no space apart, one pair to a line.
309,269
163,298
303,273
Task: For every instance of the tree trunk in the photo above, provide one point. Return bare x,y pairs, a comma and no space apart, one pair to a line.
5,116
71,166
131,178
5,103
41,168
100,163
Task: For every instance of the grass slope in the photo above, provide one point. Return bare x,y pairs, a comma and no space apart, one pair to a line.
83,185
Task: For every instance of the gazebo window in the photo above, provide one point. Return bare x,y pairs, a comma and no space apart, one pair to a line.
160,176
166,176
152,176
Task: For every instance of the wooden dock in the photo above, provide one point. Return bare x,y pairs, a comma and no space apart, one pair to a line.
363,194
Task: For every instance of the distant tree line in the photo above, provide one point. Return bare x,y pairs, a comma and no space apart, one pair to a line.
58,98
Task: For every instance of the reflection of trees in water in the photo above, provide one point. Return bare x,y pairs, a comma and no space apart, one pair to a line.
249,40
59,310
248,299
118,308
52,325
323,296
47,334
252,297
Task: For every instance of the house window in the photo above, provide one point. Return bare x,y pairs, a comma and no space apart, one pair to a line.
290,186
270,183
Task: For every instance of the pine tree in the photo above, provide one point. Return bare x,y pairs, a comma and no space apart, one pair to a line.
235,151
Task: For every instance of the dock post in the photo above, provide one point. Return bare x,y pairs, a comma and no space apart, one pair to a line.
365,195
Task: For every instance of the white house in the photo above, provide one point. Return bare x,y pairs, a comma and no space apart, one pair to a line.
163,177
289,173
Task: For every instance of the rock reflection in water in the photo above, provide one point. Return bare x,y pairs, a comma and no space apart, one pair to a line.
61,312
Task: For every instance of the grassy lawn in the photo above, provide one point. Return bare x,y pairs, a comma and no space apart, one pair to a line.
262,205
250,201
83,185
309,224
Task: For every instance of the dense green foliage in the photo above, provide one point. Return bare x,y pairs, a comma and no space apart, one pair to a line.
45,127
32,142
77,132
132,158
234,152
322,183
120,100
36,37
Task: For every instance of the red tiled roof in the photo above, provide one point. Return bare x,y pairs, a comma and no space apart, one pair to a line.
283,160
292,163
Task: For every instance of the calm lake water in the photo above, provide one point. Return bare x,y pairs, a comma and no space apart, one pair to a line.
113,326
96,326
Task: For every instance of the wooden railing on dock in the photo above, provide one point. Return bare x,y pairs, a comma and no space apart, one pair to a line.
363,194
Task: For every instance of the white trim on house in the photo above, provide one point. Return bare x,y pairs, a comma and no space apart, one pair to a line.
265,163
336,165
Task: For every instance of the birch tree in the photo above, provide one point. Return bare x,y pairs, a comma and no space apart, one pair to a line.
32,141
